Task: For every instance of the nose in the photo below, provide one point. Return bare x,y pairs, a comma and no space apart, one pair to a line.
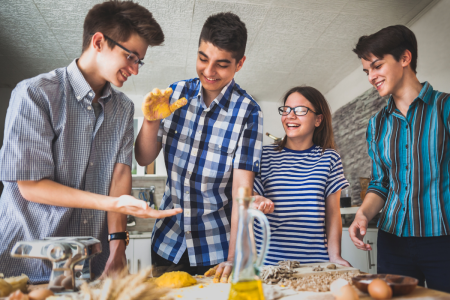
209,70
291,115
134,69
372,77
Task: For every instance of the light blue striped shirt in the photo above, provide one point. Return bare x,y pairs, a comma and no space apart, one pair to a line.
298,183
51,132
411,165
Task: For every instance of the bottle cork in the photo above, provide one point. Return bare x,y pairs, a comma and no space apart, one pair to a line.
244,192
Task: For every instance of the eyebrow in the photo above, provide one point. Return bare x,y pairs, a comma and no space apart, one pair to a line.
371,64
220,60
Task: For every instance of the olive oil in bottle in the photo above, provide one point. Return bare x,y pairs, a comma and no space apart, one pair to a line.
246,290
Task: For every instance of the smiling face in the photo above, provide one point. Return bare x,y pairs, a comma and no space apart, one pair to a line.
113,64
215,67
300,128
385,74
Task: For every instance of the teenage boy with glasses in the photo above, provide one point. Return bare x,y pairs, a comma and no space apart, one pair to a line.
67,150
211,146
409,143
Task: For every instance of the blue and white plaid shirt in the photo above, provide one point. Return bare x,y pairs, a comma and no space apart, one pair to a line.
202,145
51,132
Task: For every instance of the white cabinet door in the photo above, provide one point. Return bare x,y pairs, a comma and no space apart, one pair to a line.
357,258
371,238
142,254
129,252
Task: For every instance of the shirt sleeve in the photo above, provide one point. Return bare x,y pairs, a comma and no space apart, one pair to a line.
249,148
336,179
27,145
379,183
125,155
257,184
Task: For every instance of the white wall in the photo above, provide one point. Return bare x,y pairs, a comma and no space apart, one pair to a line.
432,31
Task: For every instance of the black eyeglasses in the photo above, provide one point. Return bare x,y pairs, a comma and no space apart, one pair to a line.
131,56
298,111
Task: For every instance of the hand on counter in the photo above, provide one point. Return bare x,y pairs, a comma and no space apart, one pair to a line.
339,260
358,230
117,261
263,204
129,205
156,104
221,272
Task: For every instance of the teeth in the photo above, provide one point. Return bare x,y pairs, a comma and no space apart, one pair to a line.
210,78
292,125
124,75
379,83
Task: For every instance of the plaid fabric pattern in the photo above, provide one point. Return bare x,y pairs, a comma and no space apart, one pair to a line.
51,132
202,145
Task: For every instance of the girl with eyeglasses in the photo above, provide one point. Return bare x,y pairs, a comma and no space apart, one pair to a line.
300,182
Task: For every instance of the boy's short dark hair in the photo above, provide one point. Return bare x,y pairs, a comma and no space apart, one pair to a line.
225,31
119,20
392,40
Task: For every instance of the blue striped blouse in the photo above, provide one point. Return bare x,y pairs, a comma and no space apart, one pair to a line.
298,182
411,164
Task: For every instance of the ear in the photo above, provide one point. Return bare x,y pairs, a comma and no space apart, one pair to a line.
319,119
98,41
240,64
406,58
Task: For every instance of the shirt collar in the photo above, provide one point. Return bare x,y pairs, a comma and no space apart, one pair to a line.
79,84
424,95
223,99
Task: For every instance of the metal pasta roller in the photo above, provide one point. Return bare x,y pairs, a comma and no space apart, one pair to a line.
70,257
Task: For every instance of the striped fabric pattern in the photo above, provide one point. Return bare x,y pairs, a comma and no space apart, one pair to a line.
411,165
298,183
51,132
202,145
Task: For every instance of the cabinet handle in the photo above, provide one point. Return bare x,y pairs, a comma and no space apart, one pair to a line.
138,265
368,255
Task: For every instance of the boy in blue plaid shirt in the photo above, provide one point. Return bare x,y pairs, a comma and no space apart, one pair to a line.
212,145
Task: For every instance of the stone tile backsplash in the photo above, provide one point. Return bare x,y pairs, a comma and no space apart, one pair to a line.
349,126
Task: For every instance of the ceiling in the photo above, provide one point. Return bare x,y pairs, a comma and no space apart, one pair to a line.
291,42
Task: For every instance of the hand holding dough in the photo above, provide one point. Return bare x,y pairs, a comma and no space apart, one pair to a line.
156,104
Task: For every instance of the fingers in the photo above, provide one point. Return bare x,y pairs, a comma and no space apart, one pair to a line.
226,273
210,272
179,103
218,274
159,214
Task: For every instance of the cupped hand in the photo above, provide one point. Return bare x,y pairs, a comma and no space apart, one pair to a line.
357,232
156,104
263,204
129,205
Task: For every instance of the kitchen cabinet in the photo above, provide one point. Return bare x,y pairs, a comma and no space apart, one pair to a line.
138,252
365,261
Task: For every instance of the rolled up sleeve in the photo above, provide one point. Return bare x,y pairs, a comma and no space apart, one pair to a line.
27,145
249,148
125,155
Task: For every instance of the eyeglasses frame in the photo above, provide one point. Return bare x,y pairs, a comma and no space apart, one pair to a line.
293,109
138,62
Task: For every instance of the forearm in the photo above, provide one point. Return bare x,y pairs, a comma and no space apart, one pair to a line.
333,225
49,192
117,222
147,147
371,206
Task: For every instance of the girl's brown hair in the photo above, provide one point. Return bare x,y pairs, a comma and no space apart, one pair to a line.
323,135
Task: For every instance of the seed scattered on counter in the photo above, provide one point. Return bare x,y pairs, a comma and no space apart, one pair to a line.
317,269
331,266
179,296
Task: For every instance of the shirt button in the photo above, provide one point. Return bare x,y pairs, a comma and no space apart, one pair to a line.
406,187
78,97
85,221
176,131
199,132
187,213
89,107
188,232
187,192
90,94
91,163
256,164
406,146
190,173
407,126
404,208
406,167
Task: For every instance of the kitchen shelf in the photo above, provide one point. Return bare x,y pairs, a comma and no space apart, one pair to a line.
349,210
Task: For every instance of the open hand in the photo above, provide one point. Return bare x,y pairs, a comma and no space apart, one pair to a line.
357,232
221,272
129,205
263,204
156,104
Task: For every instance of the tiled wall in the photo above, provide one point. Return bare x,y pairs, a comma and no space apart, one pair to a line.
349,126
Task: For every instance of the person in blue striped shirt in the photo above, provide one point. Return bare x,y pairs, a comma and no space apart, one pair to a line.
409,143
300,182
